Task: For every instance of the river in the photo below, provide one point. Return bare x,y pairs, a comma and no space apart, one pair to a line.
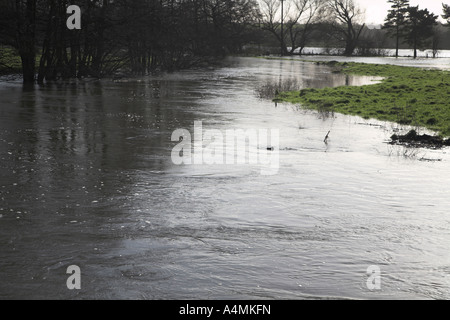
87,179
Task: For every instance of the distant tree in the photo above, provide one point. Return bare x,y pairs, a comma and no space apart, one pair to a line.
396,20
313,17
372,43
271,20
346,19
299,17
300,25
446,15
419,27
436,40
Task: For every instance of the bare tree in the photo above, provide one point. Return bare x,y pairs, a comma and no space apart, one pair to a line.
271,20
371,43
299,17
436,40
346,19
300,26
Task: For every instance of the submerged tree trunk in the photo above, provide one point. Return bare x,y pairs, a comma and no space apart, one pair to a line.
26,38
352,39
415,49
397,45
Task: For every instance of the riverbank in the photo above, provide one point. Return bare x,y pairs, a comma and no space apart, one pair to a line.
406,95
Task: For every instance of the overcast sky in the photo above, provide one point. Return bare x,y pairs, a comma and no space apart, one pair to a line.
376,10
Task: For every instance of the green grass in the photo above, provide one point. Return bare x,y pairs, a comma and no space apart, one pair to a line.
407,95
10,61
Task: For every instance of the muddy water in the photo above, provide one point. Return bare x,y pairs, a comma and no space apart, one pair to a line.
87,179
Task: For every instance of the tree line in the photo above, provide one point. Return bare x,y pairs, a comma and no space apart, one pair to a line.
298,23
141,36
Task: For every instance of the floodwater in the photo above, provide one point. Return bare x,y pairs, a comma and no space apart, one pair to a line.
407,53
87,179
424,57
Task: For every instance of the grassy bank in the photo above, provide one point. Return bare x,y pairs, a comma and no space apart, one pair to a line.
407,95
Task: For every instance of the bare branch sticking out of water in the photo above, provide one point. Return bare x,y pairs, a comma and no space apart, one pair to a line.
406,152
325,111
326,138
271,89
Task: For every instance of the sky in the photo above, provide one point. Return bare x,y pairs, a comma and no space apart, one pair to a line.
376,10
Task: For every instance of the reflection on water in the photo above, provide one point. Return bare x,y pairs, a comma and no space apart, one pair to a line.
87,179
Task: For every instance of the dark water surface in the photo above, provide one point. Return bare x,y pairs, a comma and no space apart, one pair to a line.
86,179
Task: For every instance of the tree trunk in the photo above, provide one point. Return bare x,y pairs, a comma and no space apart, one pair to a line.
26,41
352,38
415,46
349,48
398,42
28,56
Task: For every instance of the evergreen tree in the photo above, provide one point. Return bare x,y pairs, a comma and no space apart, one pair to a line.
419,27
396,20
446,14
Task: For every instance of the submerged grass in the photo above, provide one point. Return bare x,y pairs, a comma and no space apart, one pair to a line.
406,95
271,90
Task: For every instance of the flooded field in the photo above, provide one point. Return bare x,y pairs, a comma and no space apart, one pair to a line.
87,179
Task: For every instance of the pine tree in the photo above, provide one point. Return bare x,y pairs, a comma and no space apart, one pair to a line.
419,27
446,14
396,19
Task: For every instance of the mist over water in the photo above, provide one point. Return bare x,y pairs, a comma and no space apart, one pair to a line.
87,180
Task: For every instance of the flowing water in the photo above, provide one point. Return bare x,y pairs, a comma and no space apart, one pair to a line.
87,179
